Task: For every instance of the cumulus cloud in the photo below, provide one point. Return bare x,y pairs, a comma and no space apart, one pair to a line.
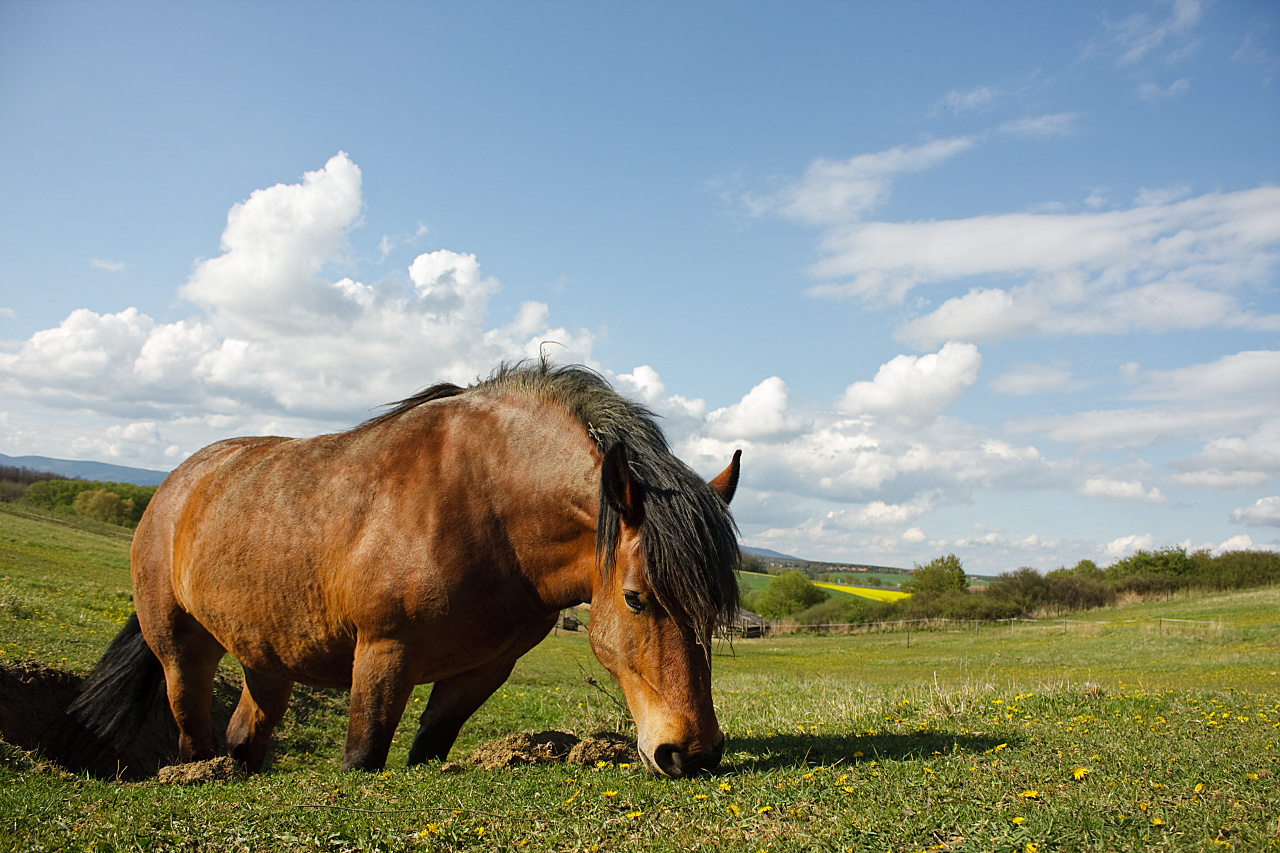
915,388
1264,512
278,333
1126,490
1126,545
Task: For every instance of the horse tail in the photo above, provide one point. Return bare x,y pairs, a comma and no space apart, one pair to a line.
96,729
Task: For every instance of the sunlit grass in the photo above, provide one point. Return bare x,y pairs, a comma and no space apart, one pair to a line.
1112,731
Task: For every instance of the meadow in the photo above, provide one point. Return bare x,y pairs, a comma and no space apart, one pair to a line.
1116,729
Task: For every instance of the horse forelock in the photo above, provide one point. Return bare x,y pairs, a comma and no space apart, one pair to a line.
689,538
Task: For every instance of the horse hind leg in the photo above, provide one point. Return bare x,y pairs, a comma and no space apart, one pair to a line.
190,657
263,702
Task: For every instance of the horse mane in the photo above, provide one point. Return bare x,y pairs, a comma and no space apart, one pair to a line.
688,534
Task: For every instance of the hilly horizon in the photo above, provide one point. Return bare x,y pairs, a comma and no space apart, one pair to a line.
82,469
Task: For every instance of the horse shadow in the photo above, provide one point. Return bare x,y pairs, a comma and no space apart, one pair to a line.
748,753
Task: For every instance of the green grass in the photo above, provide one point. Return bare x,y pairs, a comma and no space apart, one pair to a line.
1114,732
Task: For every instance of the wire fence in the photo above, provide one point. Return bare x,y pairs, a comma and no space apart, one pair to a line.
772,627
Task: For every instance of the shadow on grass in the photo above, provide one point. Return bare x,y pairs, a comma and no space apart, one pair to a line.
769,752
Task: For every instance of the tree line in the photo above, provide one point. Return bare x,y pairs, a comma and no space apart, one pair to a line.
115,503
940,589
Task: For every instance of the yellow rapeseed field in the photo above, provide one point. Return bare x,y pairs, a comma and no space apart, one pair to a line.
873,594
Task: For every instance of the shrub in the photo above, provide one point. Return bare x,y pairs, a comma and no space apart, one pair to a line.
787,594
103,505
938,576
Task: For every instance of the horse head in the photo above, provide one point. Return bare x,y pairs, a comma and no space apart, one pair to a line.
660,657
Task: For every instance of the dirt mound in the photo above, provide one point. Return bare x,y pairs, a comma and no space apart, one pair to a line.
34,696
220,769
609,747
552,746
524,748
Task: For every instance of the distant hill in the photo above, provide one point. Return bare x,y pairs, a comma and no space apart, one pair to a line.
765,552
81,470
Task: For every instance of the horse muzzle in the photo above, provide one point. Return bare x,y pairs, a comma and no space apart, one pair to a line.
671,761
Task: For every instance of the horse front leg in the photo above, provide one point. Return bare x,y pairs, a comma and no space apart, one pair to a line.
453,701
380,688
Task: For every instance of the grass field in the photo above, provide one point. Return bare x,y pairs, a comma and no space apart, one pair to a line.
1120,731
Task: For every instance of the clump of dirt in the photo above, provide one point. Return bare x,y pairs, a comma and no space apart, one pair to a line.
524,748
551,746
609,747
220,769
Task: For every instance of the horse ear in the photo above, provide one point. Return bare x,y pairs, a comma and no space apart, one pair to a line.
620,489
726,482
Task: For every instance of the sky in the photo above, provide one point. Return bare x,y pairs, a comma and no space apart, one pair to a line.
994,279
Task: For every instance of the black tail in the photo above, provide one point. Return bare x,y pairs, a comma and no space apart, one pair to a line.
99,726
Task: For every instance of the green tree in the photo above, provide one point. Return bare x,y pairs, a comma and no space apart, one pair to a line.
103,505
788,594
938,576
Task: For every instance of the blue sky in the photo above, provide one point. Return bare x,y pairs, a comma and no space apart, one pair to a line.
997,279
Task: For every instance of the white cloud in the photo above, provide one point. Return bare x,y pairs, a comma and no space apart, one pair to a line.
278,333
1141,35
762,413
1264,512
1126,545
1157,267
833,191
915,388
1041,127
108,265
1126,490
1027,379
1155,92
968,100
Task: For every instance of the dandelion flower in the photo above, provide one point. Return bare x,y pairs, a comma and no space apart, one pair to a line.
764,809
699,796
733,809
1155,821
634,815
725,786
609,794
1019,821
1030,795
1079,773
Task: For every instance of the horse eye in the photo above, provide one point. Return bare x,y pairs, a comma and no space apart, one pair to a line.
633,601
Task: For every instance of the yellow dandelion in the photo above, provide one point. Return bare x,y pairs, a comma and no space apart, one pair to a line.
699,796
600,765
1079,773
1030,848
764,809
479,831
609,794
1030,795
1199,787
725,786
733,809
1155,821
634,815
1019,821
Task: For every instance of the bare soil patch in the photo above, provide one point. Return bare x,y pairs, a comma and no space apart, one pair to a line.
551,746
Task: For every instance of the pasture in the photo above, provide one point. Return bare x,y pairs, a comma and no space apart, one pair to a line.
1120,729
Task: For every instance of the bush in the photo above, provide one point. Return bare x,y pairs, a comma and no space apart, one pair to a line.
937,576
787,594
103,505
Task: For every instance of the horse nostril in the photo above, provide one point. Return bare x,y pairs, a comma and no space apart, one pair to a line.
674,762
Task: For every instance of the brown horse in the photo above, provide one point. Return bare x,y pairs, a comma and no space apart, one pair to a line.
436,542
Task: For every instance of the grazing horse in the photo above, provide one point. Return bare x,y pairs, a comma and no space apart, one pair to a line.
436,542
